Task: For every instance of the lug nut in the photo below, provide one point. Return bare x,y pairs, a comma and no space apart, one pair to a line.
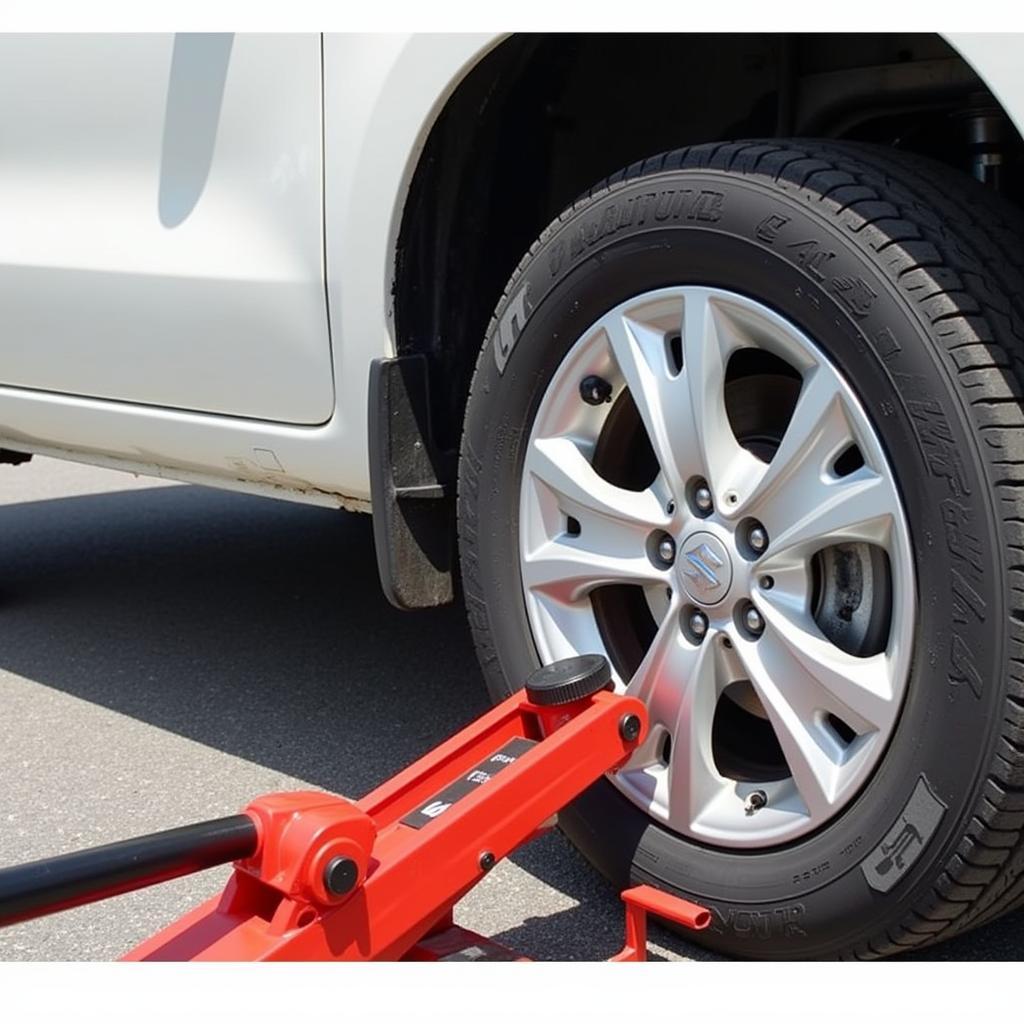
667,549
702,498
698,625
753,621
757,538
595,390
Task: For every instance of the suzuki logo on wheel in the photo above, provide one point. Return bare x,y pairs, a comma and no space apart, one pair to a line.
704,562
706,568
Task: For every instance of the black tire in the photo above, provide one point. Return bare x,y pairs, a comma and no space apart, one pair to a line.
934,347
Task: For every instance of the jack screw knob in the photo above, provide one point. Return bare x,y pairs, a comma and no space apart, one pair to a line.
570,679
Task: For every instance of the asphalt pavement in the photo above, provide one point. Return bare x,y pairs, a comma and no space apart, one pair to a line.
168,651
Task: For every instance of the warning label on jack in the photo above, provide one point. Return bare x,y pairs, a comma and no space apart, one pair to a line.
483,772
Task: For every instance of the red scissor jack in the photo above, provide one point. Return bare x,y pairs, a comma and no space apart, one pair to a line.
318,877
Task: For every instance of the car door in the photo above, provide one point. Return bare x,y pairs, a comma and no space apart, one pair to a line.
161,230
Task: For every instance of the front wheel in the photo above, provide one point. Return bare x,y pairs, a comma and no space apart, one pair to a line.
747,422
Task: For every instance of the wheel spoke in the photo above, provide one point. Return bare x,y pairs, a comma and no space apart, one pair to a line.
858,508
666,666
569,628
817,430
790,696
709,339
693,779
568,568
661,399
560,465
803,504
857,690
678,682
614,526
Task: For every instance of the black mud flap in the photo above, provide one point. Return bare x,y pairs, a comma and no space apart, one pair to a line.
412,488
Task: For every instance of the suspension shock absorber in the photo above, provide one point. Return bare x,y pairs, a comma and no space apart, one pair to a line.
986,129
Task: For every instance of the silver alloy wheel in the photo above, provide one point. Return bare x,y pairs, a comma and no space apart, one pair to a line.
735,624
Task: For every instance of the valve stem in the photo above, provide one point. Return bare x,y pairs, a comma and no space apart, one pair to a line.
755,801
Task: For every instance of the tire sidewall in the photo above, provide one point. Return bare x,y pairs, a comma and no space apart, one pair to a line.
813,896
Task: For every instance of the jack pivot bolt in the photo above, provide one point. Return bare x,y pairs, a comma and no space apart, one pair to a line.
340,875
629,728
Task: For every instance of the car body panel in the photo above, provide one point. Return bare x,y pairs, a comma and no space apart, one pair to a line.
161,199
382,93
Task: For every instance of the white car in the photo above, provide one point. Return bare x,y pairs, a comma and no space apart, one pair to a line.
743,416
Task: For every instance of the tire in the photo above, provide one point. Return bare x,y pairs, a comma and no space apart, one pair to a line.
907,277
